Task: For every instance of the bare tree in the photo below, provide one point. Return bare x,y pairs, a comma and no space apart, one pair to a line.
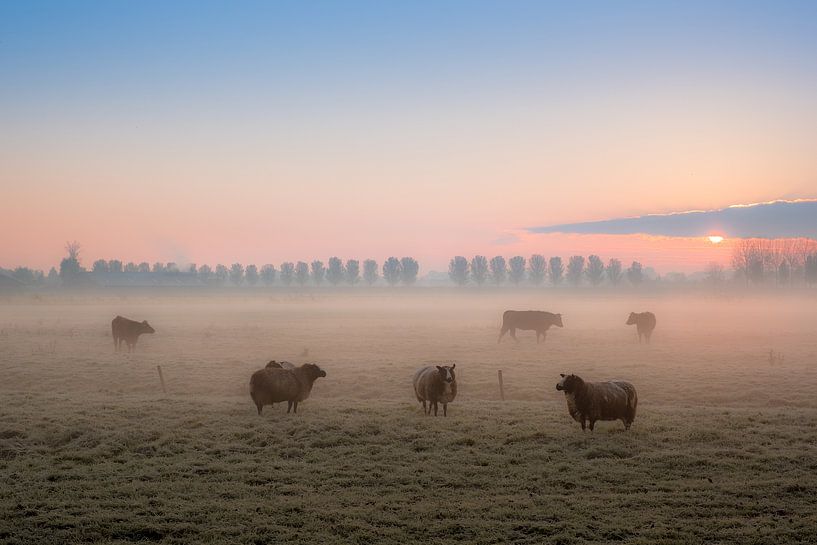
714,274
595,270
556,270
499,269
458,270
516,272
391,271
479,269
352,271
575,269
251,275
409,269
537,269
370,274
810,266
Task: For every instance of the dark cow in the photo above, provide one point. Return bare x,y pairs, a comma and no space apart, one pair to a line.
591,401
527,320
128,331
644,324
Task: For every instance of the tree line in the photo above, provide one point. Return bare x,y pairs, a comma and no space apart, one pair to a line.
536,270
786,261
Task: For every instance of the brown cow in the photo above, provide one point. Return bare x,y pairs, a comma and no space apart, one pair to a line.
128,331
435,384
591,401
644,324
528,320
273,384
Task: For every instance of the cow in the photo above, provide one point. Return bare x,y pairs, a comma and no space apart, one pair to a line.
123,329
644,324
591,401
435,384
528,320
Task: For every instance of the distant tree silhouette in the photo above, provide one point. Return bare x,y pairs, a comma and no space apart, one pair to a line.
352,271
251,275
516,269
318,272
287,273
192,269
70,268
205,274
613,272
335,272
237,274
100,266
575,269
53,275
158,267
301,273
115,266
714,274
267,274
221,275
144,267
131,267
783,273
635,274
409,269
537,269
556,270
499,269
370,273
391,271
595,270
24,275
458,270
171,267
479,269
811,269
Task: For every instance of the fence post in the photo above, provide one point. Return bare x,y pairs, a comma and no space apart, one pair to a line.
501,387
161,378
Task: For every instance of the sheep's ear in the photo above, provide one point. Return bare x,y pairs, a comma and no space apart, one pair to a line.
562,375
453,365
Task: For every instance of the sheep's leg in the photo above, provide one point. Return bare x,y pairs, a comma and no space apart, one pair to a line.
259,406
425,411
289,406
295,407
435,408
592,423
583,423
445,409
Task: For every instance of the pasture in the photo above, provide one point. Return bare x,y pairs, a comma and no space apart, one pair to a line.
723,448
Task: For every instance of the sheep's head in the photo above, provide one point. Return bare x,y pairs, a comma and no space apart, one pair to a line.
632,319
447,373
313,371
569,383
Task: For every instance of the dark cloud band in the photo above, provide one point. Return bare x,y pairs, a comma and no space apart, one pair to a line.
776,219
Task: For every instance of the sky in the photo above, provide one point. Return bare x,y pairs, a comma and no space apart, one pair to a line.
262,132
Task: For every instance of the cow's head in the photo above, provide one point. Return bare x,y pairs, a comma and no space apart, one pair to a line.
557,320
146,327
632,319
569,383
447,373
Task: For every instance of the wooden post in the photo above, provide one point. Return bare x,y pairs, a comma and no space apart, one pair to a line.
162,378
501,387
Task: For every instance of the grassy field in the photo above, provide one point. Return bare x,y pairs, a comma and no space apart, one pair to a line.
723,450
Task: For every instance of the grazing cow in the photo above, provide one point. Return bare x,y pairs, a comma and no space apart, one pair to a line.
644,324
274,384
591,401
435,384
128,331
528,320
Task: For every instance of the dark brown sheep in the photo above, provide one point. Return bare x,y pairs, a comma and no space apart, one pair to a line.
528,320
435,384
123,329
273,385
644,324
591,401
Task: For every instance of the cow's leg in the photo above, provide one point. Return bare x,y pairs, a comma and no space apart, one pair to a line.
544,336
445,409
425,411
513,334
501,334
537,337
592,423
639,337
289,406
115,348
647,336
259,406
583,423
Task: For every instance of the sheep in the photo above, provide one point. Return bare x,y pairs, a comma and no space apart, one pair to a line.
272,384
613,400
435,384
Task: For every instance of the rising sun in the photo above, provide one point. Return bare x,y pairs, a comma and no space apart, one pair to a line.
715,239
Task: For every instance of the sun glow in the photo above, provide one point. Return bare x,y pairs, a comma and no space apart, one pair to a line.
715,239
